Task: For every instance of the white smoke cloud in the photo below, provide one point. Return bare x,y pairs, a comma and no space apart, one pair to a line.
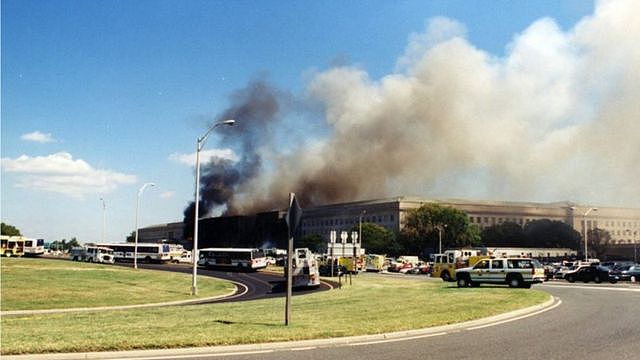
556,118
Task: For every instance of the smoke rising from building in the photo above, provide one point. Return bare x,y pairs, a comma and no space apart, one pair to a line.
556,118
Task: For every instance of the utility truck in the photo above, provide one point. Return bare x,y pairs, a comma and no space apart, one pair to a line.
92,253
305,271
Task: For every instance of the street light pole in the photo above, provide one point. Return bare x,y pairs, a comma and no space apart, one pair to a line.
440,237
135,247
194,256
104,219
586,232
360,225
635,243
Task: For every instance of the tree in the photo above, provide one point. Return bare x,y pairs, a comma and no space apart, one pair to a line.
131,237
377,239
505,234
599,241
314,242
420,231
550,233
72,243
64,245
538,233
9,230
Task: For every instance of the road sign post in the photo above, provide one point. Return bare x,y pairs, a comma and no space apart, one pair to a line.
293,220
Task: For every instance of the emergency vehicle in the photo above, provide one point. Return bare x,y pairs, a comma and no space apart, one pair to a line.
374,262
445,264
305,271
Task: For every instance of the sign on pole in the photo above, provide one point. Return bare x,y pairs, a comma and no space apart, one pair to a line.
293,220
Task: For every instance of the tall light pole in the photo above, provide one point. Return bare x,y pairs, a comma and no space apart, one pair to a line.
635,253
586,232
135,247
104,218
635,245
360,225
194,255
440,228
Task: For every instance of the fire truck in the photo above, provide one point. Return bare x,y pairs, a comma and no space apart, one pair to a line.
305,271
445,264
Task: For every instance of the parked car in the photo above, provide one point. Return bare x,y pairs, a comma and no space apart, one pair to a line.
629,272
595,273
559,272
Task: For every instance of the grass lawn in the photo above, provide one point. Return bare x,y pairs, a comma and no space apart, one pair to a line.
36,283
371,305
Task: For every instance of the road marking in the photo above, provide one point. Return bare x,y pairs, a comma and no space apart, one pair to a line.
593,287
189,356
304,348
397,339
246,290
517,318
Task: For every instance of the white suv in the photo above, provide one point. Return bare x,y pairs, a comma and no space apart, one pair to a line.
515,272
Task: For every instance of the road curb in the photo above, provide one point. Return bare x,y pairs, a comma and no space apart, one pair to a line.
300,344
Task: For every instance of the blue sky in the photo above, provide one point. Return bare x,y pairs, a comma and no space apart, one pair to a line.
100,97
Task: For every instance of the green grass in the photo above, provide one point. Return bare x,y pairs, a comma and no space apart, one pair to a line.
33,283
371,305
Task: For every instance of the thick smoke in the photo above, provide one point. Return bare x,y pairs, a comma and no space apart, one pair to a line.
255,109
556,118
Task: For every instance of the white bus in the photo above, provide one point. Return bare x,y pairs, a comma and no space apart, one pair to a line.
33,247
20,245
245,259
147,252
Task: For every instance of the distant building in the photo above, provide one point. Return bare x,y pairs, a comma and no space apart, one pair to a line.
269,228
266,229
623,224
171,233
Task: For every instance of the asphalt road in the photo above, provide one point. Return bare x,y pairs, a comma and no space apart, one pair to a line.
251,286
591,322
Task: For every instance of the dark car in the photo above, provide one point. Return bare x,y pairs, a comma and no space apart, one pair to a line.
632,271
593,273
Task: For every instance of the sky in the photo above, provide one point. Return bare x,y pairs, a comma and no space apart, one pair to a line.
349,100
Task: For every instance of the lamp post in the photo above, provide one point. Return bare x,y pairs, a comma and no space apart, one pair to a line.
360,225
104,219
635,256
635,245
586,232
194,256
440,228
135,247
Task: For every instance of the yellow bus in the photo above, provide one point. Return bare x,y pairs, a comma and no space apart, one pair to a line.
12,245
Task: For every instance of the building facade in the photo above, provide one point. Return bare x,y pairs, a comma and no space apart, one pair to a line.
623,224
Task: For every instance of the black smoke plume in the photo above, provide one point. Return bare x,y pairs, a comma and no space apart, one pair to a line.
255,108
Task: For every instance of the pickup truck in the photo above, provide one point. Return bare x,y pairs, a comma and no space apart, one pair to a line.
515,272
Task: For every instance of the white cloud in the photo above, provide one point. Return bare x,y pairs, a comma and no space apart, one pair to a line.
62,174
167,194
37,136
205,156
